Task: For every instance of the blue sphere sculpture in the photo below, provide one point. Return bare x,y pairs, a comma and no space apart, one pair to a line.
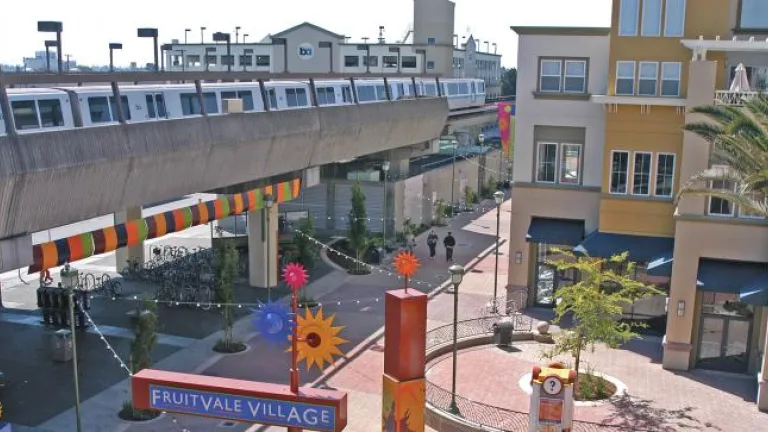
273,322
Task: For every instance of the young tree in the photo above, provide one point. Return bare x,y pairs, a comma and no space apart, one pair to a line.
358,228
225,265
596,303
306,248
509,82
145,336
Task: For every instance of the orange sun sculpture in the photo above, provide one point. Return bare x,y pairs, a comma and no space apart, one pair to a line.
318,339
406,265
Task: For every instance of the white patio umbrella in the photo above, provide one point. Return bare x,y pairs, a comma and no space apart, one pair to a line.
740,81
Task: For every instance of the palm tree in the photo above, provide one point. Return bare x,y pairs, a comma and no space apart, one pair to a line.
739,140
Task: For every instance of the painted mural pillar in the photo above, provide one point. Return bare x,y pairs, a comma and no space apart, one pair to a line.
262,247
405,340
135,252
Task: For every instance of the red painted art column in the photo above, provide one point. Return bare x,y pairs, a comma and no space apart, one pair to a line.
405,340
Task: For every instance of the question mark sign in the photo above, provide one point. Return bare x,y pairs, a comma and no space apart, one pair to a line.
552,384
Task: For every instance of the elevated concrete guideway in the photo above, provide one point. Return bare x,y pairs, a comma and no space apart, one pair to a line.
53,179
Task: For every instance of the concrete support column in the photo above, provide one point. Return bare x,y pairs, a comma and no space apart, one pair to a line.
262,247
135,252
399,167
762,381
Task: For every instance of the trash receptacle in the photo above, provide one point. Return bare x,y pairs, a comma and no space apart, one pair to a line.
502,331
62,345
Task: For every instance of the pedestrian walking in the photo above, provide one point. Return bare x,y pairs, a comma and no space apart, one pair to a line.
449,242
432,240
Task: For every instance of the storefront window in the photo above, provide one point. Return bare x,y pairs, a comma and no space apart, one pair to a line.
548,278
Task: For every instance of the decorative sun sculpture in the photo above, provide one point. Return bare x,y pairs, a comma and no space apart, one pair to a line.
318,339
274,323
295,276
406,265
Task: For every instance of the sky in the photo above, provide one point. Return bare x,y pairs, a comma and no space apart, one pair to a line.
90,25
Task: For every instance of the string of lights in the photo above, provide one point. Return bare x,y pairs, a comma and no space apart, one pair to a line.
241,305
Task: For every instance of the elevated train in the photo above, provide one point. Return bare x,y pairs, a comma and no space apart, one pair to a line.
52,109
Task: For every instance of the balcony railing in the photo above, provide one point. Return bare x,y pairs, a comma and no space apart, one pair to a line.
727,97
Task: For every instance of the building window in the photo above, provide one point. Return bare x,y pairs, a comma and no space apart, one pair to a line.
665,175
408,62
228,60
719,206
754,14
619,172
575,76
648,79
431,41
641,176
753,214
625,78
193,60
546,163
351,61
651,18
629,14
674,18
246,60
430,65
570,157
210,59
389,61
551,71
670,79
262,61
371,61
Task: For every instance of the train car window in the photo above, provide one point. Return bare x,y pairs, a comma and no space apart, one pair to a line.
50,113
296,97
160,101
25,114
453,89
99,109
463,88
326,96
272,98
430,89
346,94
381,92
190,105
247,97
124,103
481,87
150,106
366,93
211,104
400,90
410,90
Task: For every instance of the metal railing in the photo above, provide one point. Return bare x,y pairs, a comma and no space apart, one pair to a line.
727,97
480,414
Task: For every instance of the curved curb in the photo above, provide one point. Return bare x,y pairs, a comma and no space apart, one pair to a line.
142,422
621,389
223,354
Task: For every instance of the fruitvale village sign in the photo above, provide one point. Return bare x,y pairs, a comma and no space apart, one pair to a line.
243,401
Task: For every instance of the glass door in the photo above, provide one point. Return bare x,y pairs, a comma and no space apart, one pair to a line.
546,280
724,343
155,106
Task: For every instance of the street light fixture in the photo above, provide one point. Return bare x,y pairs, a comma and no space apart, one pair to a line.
498,197
150,33
54,27
269,202
113,46
225,37
48,45
69,279
457,275
385,168
237,34
245,37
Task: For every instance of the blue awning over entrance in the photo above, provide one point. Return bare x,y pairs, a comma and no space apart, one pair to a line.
641,248
661,265
566,232
748,279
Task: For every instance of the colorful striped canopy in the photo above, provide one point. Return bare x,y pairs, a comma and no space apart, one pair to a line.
77,247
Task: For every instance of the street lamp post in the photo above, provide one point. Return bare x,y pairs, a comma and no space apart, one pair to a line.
385,168
237,34
483,162
48,45
453,173
113,46
202,34
225,37
457,274
245,37
186,32
498,196
69,278
269,202
151,33
54,27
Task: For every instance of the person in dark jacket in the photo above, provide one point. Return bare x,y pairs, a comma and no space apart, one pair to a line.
432,240
449,242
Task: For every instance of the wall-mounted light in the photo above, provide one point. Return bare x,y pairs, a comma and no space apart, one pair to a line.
680,308
518,257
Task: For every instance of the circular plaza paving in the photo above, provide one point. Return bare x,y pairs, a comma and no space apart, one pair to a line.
656,400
